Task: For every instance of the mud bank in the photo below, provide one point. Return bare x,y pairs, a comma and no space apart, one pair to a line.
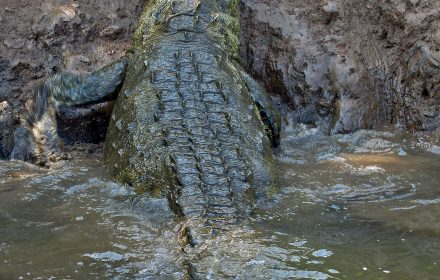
345,65
41,38
339,65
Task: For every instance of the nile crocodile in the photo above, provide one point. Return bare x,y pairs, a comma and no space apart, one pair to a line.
188,122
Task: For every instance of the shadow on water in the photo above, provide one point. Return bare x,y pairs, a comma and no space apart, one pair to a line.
359,206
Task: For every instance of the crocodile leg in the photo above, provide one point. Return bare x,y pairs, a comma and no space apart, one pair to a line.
72,89
36,139
269,114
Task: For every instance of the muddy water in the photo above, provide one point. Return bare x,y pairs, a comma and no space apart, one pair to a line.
368,200
359,206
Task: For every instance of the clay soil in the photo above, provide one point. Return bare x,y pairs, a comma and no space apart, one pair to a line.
41,38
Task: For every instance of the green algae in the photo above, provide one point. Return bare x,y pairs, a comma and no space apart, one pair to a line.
135,150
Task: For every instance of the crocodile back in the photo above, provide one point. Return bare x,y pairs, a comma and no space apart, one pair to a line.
185,124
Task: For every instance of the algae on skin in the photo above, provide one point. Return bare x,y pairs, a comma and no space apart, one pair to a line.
136,148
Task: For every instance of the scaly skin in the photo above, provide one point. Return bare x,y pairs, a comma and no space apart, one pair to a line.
188,124
185,124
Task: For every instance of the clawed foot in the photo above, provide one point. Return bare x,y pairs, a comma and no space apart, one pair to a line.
29,145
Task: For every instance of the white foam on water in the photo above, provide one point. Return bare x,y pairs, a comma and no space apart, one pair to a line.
106,256
323,253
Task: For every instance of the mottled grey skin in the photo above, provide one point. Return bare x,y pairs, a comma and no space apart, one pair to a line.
36,138
189,123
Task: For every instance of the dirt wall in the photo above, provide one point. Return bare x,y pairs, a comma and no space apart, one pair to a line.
41,38
343,65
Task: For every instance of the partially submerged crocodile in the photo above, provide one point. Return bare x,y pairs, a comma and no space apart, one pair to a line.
189,123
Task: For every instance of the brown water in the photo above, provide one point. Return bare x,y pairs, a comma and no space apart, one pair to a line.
351,208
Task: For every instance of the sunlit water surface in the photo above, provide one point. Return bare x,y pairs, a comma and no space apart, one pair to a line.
360,206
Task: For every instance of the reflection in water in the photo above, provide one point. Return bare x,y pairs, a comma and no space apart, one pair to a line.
360,206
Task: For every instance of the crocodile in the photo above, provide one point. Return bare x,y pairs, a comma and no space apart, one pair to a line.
189,123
